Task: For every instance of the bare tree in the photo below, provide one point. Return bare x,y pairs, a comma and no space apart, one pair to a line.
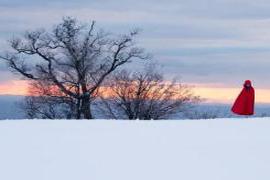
73,58
145,95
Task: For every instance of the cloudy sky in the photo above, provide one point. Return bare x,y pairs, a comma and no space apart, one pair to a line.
213,44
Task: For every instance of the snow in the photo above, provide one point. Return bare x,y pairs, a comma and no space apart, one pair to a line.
222,149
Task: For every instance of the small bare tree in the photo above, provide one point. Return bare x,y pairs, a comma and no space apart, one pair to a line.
145,95
74,59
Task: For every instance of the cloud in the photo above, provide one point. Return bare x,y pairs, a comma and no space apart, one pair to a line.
206,41
228,9
229,69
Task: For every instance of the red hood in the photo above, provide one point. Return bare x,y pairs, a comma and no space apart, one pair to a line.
247,82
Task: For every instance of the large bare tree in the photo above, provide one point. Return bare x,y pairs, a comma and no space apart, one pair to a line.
145,95
73,59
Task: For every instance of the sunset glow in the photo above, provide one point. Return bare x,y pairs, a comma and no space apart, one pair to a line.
13,88
228,95
211,94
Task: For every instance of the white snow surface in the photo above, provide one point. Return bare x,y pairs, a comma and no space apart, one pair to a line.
221,149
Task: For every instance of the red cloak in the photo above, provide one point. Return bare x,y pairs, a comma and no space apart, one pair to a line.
244,104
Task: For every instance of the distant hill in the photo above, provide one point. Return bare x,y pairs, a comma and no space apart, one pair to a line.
9,108
224,110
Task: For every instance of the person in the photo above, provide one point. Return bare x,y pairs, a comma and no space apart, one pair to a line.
244,103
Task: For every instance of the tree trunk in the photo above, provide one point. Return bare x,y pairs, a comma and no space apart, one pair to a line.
78,109
86,111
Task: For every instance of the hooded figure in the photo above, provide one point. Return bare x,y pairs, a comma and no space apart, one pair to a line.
244,104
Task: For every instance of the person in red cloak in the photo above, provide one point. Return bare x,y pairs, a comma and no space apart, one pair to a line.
244,104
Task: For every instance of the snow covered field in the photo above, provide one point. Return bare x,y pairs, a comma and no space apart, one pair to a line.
223,149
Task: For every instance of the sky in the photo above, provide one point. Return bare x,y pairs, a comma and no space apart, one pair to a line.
213,45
